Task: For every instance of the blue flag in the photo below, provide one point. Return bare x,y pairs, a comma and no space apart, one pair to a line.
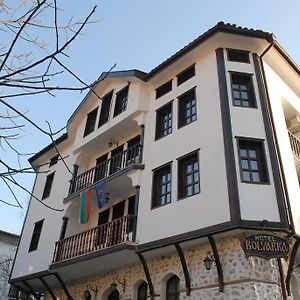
100,191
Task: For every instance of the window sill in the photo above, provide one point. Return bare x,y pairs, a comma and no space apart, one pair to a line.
185,197
152,208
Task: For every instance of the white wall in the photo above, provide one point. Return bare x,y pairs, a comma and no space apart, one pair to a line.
280,92
257,201
210,206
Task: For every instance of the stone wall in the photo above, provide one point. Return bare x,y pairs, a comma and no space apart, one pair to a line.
251,278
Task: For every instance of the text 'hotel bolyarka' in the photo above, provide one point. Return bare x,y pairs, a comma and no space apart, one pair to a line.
184,183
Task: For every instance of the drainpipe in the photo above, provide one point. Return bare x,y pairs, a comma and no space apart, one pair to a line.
288,207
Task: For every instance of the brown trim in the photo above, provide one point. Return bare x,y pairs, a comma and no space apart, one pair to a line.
275,157
231,174
63,286
217,262
290,269
30,289
113,249
184,269
220,27
107,179
147,274
281,274
47,288
212,230
30,276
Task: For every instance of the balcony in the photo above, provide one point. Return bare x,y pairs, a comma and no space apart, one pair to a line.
111,234
111,167
295,145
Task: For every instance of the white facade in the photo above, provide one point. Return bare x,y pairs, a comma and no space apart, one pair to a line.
209,138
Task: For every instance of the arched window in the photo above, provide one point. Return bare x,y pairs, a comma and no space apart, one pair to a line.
114,295
142,291
172,288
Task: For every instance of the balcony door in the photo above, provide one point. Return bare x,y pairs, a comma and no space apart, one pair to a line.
103,229
116,160
133,150
101,168
114,295
117,224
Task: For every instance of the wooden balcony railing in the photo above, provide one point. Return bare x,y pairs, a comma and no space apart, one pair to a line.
295,144
95,239
107,168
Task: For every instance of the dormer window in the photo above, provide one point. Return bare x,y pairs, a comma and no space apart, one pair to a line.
90,122
238,55
121,101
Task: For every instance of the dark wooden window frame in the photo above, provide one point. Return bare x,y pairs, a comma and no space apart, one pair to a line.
260,159
232,52
156,185
181,161
120,104
105,108
182,99
160,121
173,292
186,74
90,121
163,89
48,185
36,234
54,160
142,291
250,91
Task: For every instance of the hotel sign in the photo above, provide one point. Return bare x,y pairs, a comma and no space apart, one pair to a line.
265,245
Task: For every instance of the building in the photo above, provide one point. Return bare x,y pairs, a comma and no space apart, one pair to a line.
185,169
8,246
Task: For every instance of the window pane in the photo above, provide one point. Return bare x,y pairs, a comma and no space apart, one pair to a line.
196,188
245,164
243,153
246,176
252,153
189,190
254,165
255,177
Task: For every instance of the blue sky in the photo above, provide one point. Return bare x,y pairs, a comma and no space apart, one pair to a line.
140,34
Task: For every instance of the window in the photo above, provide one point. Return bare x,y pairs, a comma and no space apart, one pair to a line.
238,55
142,291
90,122
105,107
53,160
242,90
36,235
161,189
48,185
121,101
185,75
187,112
252,161
188,175
164,89
172,288
163,121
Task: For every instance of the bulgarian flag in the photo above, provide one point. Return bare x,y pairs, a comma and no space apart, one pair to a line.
84,211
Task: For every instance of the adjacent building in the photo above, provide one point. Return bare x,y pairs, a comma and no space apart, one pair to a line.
8,245
173,184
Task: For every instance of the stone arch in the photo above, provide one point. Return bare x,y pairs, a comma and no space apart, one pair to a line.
164,281
107,293
136,286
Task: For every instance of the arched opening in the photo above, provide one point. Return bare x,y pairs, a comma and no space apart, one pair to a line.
142,291
172,288
114,295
